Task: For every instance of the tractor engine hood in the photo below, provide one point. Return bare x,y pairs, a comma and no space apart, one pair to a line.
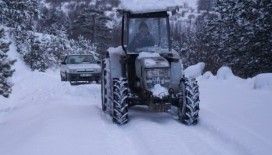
151,60
153,71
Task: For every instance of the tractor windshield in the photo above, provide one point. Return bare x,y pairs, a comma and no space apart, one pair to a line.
148,35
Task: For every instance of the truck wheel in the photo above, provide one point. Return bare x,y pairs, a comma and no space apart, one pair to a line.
73,83
120,102
189,102
98,81
62,78
67,78
104,84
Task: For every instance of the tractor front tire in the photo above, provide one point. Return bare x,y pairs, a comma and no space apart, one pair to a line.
120,101
189,102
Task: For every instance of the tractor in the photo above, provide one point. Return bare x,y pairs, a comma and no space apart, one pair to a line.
146,71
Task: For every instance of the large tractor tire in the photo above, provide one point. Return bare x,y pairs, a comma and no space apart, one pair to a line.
120,101
105,84
189,102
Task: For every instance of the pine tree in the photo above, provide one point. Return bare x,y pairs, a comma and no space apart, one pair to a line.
3,12
35,58
241,36
21,14
91,22
84,46
52,21
6,70
206,5
56,48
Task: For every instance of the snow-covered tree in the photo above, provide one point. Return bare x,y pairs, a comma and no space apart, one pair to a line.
21,14
240,36
35,58
22,17
6,70
206,5
52,21
55,48
3,11
83,46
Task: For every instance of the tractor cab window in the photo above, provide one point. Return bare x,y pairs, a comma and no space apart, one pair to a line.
148,35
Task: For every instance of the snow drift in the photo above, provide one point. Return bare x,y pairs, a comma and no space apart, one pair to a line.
263,81
45,116
224,73
207,75
195,71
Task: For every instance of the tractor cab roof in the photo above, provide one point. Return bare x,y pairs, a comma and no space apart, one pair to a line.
149,6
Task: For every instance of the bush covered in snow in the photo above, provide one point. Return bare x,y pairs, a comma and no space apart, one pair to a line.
227,32
5,66
263,81
43,51
195,70
35,58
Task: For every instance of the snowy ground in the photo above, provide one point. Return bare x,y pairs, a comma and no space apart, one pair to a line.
47,117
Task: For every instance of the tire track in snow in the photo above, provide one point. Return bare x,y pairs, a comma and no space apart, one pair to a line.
115,133
151,131
220,135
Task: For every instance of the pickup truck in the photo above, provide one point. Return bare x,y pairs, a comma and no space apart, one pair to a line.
80,68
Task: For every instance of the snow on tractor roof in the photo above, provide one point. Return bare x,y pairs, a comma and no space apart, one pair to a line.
145,6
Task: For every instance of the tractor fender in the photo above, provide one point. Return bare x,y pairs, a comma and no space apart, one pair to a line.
176,71
116,56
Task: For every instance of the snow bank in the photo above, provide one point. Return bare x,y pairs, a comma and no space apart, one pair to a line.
263,81
159,91
139,6
195,70
207,75
224,73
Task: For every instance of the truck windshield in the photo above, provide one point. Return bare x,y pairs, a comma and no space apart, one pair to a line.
80,59
148,33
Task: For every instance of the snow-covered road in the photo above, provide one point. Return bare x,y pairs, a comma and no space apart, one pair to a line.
47,117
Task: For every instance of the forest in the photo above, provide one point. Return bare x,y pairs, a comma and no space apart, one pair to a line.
234,33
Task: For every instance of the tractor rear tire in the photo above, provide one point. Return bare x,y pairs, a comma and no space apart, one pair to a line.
120,101
189,102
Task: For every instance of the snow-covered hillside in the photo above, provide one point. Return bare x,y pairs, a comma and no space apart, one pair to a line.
44,116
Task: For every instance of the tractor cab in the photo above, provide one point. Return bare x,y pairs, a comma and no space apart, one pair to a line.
147,46
146,32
